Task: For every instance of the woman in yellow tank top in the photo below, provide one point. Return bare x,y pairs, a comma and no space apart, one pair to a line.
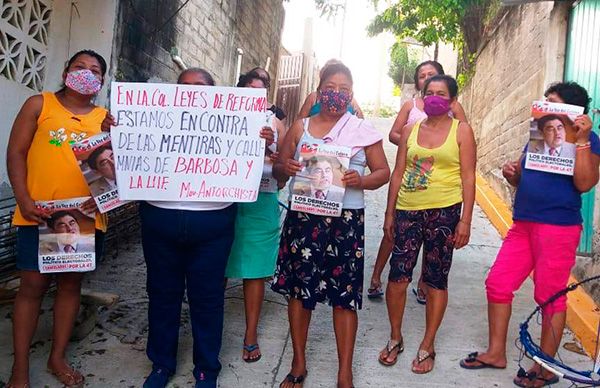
430,203
41,166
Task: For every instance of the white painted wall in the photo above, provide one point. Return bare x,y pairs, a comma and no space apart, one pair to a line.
69,32
92,28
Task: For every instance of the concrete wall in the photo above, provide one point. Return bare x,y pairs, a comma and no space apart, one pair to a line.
66,29
258,28
524,54
205,33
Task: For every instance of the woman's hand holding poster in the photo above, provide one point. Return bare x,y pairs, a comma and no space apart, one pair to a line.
67,237
551,146
318,188
96,160
188,143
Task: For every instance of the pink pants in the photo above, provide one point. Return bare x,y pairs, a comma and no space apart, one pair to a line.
547,250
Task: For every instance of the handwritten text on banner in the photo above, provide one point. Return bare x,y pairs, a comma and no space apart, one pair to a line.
187,142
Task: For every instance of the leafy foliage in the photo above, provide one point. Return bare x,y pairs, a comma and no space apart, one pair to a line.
402,64
329,8
458,22
429,22
424,20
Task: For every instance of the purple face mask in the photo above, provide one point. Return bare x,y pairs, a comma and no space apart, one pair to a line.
436,105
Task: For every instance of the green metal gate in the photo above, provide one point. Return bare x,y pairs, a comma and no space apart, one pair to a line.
583,66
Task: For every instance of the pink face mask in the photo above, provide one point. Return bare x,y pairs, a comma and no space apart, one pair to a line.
436,105
83,82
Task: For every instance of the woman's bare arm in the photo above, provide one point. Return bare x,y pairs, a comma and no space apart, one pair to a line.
21,136
400,122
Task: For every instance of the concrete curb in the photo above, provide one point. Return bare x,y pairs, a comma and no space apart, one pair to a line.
582,312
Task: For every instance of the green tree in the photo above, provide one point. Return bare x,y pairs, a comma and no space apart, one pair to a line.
429,22
402,64
330,8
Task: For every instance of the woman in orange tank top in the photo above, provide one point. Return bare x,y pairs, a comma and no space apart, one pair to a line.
41,166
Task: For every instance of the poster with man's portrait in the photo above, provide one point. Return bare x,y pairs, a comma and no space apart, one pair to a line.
318,188
96,160
551,146
268,184
66,237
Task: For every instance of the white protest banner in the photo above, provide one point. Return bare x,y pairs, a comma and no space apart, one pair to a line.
187,142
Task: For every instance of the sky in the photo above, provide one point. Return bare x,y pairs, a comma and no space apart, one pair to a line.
367,57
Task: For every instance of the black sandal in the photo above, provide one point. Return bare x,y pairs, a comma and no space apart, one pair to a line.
519,381
290,378
472,358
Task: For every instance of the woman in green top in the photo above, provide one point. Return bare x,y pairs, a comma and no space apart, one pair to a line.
257,231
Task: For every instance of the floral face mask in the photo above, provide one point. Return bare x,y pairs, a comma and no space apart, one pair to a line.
334,101
83,82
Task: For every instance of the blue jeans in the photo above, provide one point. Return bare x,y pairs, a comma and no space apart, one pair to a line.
186,250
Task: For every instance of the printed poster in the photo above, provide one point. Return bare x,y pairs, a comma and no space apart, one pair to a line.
551,146
268,184
96,160
318,188
187,142
67,237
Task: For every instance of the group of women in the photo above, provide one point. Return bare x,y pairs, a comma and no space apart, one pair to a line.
312,258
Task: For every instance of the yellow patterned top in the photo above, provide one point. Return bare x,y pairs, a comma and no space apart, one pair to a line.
432,176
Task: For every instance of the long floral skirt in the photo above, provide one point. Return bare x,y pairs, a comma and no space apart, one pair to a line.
321,259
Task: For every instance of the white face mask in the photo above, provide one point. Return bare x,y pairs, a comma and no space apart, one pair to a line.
83,82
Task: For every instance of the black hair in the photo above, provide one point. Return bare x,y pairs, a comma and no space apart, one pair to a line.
336,68
91,53
436,65
541,122
262,74
245,79
58,215
448,80
95,154
571,93
333,162
203,73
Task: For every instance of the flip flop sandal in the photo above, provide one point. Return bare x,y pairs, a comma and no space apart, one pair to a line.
472,358
420,295
71,379
250,349
290,378
374,292
390,349
423,355
528,380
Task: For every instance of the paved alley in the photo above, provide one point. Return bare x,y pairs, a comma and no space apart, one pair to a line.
112,355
